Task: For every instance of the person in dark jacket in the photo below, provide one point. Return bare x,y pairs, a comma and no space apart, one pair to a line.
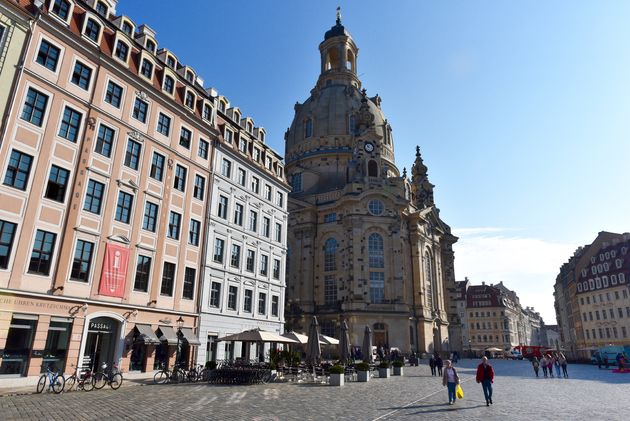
439,364
485,376
432,365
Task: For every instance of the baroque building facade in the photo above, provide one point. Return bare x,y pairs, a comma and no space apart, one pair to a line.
365,243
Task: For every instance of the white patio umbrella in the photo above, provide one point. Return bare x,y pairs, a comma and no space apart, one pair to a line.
327,340
298,337
313,349
257,335
344,343
367,345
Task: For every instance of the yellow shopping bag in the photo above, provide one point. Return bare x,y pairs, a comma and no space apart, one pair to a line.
459,392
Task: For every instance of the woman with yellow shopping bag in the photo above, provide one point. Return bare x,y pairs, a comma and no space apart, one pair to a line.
450,379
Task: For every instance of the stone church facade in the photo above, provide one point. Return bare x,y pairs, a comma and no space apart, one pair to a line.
365,243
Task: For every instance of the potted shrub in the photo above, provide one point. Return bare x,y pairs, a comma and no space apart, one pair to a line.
363,372
336,375
383,370
398,368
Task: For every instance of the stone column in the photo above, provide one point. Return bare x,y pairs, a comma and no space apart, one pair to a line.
5,322
39,343
149,358
74,347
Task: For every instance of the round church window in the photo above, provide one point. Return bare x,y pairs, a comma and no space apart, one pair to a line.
376,207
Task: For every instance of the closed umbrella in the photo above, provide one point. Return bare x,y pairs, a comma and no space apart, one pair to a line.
367,345
344,343
313,348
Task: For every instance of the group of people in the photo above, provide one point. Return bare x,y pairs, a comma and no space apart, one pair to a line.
450,378
549,362
436,364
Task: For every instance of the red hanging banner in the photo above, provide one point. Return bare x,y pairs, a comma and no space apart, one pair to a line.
114,271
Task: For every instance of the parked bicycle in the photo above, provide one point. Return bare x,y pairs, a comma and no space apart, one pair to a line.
108,375
81,380
177,375
55,381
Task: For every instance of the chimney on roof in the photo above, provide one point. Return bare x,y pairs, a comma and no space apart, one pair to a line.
146,30
483,282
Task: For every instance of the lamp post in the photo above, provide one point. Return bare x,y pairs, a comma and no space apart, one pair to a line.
180,324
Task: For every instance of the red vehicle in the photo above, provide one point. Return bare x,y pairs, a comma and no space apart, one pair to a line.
532,351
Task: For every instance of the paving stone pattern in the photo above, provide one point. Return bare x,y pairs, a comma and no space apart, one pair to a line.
590,394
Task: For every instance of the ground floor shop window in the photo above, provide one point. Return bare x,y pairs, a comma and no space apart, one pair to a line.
161,356
211,348
19,344
57,342
138,356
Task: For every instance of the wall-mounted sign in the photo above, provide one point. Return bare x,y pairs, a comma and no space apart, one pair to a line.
114,271
100,326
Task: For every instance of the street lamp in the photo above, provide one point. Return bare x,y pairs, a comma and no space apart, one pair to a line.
469,348
180,324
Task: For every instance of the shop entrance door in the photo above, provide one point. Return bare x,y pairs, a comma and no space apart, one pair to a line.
100,345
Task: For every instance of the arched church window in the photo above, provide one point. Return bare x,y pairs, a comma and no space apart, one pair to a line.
330,255
375,251
332,59
350,61
352,124
376,207
429,277
308,128
372,168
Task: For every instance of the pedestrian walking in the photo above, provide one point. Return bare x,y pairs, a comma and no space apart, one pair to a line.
563,364
556,363
550,365
485,376
450,379
536,365
599,360
439,364
543,363
432,365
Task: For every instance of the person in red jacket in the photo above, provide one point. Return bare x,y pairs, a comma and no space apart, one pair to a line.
485,376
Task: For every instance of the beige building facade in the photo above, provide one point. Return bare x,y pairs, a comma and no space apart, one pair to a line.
365,243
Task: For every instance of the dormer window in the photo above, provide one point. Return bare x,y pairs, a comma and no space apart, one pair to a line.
92,29
269,163
222,106
122,51
237,117
261,136
146,69
207,112
190,77
61,8
150,45
169,84
256,154
250,127
242,145
228,136
102,9
170,62
127,28
190,100
308,128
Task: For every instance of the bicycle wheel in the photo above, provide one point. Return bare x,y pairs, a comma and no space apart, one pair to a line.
58,383
87,384
160,377
70,383
41,383
116,381
99,380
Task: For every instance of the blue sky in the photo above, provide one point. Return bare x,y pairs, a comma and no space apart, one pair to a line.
521,108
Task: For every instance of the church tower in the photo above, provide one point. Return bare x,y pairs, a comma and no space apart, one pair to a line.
366,244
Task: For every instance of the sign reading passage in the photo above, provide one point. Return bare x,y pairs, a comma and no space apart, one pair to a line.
114,271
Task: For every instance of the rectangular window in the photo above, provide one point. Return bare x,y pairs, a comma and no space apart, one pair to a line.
82,261
123,207
242,177
180,178
143,271
146,69
169,83
624,333
81,75
184,137
60,8
157,166
114,93
330,217
94,197
219,245
330,289
266,226
190,100
238,214
140,109
174,224
262,303
276,269
57,184
92,29
203,149
200,186
132,154
264,264
228,136
48,55
278,232
279,199
223,205
18,170
189,284
232,294
620,312
242,144
207,112
215,294
70,124
377,287
168,279
612,313
150,216
255,184
226,168
296,182
256,155
275,301
104,140
253,221
251,257
34,107
41,256
193,233
235,259
247,301
7,235
122,51
268,192
164,124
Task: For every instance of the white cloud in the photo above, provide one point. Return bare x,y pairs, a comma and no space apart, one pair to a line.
527,265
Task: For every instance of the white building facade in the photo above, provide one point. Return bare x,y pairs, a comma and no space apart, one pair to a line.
244,272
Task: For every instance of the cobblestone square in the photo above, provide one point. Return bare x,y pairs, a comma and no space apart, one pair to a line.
589,393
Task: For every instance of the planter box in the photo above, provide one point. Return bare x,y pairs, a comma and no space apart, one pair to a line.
398,371
336,380
383,373
363,376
